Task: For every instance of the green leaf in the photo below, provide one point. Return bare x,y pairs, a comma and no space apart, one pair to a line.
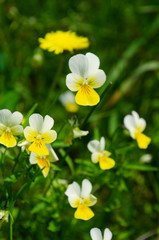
140,167
11,178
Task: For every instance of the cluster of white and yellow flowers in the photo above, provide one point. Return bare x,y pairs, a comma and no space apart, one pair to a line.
82,199
99,154
85,76
97,235
136,126
10,127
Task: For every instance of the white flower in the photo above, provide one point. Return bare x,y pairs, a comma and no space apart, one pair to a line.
9,127
68,101
99,154
136,126
97,235
146,158
39,133
81,199
79,133
4,215
85,76
44,161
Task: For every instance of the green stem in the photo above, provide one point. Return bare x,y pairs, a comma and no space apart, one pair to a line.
93,108
54,83
11,205
16,161
2,162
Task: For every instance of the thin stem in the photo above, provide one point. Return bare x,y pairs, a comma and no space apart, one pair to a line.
54,82
16,161
2,162
93,108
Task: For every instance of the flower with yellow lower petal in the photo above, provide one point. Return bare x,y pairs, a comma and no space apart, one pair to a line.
136,126
97,235
82,199
44,161
59,41
68,101
9,127
99,154
85,76
39,133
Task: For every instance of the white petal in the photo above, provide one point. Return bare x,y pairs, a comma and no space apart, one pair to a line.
93,63
78,64
95,157
33,158
16,118
96,234
102,144
52,155
67,97
96,79
73,188
135,116
17,130
74,81
74,200
142,124
107,234
86,188
94,146
5,115
129,122
2,128
36,122
47,124
79,133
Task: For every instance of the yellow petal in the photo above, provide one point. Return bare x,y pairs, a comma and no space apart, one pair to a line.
44,163
30,134
87,96
49,137
106,163
8,140
83,212
142,140
39,148
71,107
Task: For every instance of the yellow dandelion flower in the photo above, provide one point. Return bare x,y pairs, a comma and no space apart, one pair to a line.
59,41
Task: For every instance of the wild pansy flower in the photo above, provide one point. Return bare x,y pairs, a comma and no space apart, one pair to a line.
85,76
68,101
77,133
99,154
82,199
59,41
44,161
39,133
9,127
97,235
136,126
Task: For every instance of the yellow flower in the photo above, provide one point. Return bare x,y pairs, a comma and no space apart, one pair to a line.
136,126
99,154
9,127
81,199
85,76
68,101
59,41
39,133
44,161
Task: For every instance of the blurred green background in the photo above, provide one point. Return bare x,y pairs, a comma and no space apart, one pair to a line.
125,36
